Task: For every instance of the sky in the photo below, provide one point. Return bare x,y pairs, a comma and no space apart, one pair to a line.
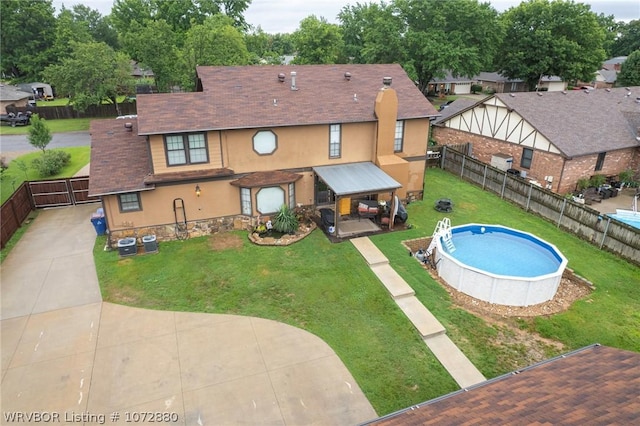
284,16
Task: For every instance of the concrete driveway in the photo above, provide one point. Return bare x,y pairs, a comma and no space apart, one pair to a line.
67,354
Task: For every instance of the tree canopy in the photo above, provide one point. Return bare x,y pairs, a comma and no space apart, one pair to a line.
627,40
317,41
558,38
630,70
93,73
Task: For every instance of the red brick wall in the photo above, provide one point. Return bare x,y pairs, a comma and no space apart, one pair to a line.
565,172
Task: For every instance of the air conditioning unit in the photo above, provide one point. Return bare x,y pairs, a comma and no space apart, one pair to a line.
502,161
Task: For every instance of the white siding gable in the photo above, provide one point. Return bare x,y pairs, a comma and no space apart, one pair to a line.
493,119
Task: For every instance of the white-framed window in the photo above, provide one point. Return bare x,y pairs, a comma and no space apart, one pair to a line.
292,195
527,158
269,199
265,142
186,149
335,141
245,201
398,142
129,202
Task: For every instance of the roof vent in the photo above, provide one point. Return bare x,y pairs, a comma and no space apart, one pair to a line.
275,102
347,76
539,93
386,81
512,95
564,92
281,77
607,90
128,126
293,80
355,97
587,91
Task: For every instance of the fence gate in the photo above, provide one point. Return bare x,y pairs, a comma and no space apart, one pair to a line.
61,192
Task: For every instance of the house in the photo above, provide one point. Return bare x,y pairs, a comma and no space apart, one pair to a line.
551,83
614,64
552,138
497,83
254,138
450,85
13,95
595,385
39,90
605,79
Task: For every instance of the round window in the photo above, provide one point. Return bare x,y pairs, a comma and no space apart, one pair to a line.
265,142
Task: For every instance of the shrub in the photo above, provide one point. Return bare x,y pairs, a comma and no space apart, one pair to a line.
597,180
285,220
476,88
51,162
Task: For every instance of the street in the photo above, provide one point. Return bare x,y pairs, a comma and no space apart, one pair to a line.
11,146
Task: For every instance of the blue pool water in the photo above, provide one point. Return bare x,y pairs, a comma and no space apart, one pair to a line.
503,251
629,220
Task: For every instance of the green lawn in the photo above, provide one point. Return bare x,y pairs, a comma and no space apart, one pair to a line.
14,176
328,290
55,126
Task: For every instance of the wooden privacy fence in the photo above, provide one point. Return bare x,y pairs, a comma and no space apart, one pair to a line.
40,194
585,222
67,111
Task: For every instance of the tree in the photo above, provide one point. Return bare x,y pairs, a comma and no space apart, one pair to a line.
68,30
92,74
459,36
154,45
558,38
39,134
317,42
26,37
260,45
215,42
628,39
99,26
372,33
629,74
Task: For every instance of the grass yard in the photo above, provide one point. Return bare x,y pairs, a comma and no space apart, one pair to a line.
55,126
328,290
13,177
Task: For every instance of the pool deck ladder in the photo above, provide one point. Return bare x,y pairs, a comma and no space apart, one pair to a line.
443,229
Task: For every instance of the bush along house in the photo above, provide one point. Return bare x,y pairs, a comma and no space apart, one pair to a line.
254,138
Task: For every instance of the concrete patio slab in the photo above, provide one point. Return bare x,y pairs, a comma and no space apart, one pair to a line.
392,281
66,352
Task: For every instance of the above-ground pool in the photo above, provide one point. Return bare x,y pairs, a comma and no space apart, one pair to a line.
629,217
500,265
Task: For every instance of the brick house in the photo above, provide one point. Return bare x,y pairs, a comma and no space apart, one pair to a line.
253,138
552,138
595,385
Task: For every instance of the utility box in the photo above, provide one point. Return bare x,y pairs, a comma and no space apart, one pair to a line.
127,247
502,161
150,244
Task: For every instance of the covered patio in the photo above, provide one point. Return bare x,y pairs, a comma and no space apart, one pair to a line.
347,182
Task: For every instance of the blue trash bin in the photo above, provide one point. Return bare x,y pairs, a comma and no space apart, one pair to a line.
99,223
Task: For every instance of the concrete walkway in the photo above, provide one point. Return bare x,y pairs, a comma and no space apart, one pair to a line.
432,332
66,352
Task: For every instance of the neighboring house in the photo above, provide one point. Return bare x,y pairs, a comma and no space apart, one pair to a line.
453,108
12,95
138,71
496,82
252,138
595,385
552,84
605,79
39,90
450,85
554,138
614,64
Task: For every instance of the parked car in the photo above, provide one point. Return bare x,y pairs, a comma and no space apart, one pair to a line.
18,119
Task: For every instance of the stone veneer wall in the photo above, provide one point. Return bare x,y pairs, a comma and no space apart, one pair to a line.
195,229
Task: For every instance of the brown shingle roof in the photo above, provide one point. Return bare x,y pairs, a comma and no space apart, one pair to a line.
595,385
119,158
580,123
243,97
274,177
190,175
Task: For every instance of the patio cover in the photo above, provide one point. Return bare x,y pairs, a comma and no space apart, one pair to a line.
356,178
